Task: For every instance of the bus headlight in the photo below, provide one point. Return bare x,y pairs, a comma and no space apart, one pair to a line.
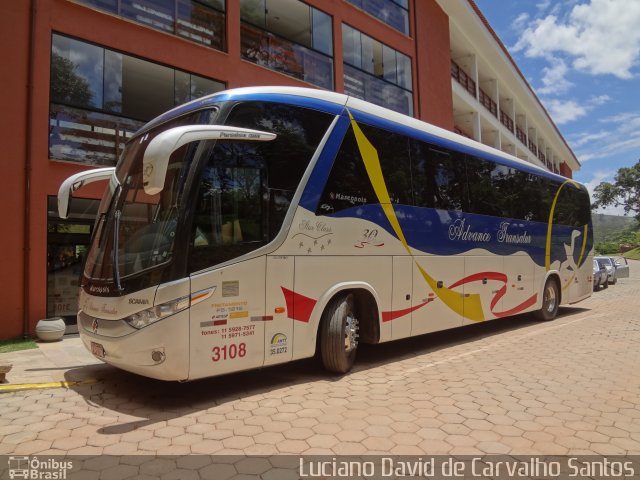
151,315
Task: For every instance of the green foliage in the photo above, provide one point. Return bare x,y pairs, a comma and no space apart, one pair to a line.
624,192
607,248
66,85
608,228
633,254
612,232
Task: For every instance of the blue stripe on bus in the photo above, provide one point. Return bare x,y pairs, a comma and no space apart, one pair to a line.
318,179
430,231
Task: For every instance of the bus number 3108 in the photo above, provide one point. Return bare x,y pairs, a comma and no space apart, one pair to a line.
229,352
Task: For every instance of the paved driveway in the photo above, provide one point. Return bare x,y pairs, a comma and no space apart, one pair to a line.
571,386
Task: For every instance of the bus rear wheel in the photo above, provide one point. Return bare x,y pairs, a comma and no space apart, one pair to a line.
339,334
550,301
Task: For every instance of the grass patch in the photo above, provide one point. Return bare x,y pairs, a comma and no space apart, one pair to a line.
16,344
633,254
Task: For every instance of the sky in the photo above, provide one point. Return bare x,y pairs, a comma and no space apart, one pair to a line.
582,58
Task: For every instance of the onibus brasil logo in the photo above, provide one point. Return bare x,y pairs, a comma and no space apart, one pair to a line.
33,468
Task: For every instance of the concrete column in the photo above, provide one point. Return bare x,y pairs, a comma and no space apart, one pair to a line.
475,121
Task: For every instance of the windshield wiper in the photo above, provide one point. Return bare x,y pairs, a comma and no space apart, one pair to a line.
115,256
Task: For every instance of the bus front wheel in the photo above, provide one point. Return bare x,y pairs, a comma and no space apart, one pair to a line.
550,301
339,334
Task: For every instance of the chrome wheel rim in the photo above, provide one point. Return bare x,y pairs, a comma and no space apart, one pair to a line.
550,298
350,333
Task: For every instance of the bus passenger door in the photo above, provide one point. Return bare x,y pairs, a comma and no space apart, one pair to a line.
227,319
278,327
435,309
401,298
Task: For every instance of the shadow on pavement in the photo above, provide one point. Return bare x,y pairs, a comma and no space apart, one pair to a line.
153,401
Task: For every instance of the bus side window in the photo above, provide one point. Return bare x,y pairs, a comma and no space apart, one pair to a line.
348,184
228,218
245,188
489,184
534,194
572,208
395,162
438,177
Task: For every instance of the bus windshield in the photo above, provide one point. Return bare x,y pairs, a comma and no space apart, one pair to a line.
142,226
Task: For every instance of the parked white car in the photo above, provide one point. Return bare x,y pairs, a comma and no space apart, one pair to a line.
611,269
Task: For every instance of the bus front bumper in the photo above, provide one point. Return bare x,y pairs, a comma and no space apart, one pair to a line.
160,350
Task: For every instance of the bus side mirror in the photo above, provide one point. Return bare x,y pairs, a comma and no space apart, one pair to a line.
156,156
74,182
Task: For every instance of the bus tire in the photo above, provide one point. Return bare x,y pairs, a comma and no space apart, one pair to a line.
339,334
550,301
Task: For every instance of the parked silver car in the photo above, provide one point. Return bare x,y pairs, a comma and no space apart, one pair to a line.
616,268
611,269
599,276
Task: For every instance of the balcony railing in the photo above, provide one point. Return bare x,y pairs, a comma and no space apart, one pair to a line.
507,121
488,103
88,137
520,135
463,79
276,53
533,148
543,158
185,18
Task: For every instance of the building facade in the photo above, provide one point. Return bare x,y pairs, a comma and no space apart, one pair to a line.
86,74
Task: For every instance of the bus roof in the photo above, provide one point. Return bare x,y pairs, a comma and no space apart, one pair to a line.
333,102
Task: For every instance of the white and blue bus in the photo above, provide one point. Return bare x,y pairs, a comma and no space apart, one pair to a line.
262,225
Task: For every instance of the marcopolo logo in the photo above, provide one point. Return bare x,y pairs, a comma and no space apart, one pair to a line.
34,468
99,289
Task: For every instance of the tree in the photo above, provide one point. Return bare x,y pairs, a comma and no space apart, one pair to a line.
67,86
624,192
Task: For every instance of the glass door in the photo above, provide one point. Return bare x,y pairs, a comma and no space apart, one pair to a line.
67,244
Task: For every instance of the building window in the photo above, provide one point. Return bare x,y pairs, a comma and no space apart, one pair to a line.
67,244
394,13
290,37
202,21
100,97
376,72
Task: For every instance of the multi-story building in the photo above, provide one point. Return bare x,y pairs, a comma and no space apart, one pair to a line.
82,75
